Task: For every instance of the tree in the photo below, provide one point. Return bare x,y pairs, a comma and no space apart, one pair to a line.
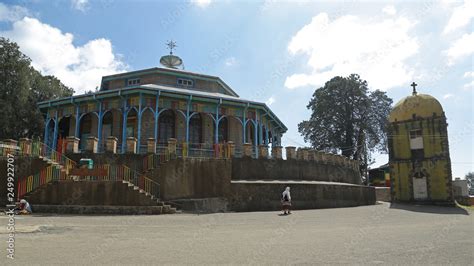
21,87
348,118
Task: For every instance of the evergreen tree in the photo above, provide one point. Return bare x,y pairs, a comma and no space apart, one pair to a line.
21,87
348,118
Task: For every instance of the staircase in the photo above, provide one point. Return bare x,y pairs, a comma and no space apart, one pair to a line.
154,161
69,196
58,171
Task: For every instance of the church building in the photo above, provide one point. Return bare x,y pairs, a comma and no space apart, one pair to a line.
420,167
161,103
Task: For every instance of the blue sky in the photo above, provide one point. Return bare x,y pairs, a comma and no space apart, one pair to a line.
271,51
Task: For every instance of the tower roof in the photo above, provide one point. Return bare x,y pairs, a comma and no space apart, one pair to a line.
416,106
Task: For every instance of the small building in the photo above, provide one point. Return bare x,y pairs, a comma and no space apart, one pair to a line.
420,166
380,176
161,103
460,188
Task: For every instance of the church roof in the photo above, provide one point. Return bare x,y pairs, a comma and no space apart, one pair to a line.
416,106
173,71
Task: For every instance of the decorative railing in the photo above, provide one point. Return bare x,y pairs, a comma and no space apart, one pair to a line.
113,173
61,166
35,148
46,175
124,173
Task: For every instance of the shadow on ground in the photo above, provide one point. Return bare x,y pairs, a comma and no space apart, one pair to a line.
429,208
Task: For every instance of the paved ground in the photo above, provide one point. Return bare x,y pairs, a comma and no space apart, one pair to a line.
372,234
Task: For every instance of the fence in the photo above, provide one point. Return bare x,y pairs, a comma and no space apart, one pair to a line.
46,175
61,166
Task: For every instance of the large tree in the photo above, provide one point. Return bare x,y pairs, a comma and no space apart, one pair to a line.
348,118
21,87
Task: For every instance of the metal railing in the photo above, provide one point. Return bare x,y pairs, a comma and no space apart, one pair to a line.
46,175
36,148
124,173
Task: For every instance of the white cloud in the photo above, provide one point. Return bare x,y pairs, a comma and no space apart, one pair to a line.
80,5
389,10
231,61
376,50
461,48
12,13
447,96
469,74
201,3
53,53
270,101
460,16
469,85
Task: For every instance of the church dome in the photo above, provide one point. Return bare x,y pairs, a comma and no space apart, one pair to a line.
418,105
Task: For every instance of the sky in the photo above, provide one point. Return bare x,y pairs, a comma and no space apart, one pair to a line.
277,52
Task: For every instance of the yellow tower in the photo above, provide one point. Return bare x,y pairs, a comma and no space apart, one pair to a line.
420,166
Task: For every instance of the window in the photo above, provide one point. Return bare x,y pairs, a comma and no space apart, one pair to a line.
415,133
132,82
185,82
416,144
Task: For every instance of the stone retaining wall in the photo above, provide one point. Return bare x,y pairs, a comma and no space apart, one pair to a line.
266,195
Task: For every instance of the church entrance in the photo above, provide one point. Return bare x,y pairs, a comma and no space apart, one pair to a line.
420,189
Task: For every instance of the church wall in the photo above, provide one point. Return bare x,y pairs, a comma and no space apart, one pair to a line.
116,84
180,127
235,131
72,126
148,128
170,80
208,130
117,125
94,125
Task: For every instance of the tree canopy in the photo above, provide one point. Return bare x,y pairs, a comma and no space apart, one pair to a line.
348,118
21,87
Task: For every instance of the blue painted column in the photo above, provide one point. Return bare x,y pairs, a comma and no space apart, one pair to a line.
139,122
99,127
266,135
46,129
244,126
56,126
124,125
216,130
188,118
78,121
157,115
255,134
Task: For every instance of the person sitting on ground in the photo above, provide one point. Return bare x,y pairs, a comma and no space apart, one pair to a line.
286,201
24,208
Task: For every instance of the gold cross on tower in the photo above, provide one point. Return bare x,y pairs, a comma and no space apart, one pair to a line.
414,87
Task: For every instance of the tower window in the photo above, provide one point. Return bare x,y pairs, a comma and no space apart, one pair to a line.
416,144
416,139
132,82
185,82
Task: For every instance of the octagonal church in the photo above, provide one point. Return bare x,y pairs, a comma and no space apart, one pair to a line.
161,103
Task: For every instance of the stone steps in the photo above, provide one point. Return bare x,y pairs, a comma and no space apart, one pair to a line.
95,209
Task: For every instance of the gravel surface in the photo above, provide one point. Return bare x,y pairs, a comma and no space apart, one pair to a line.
380,234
